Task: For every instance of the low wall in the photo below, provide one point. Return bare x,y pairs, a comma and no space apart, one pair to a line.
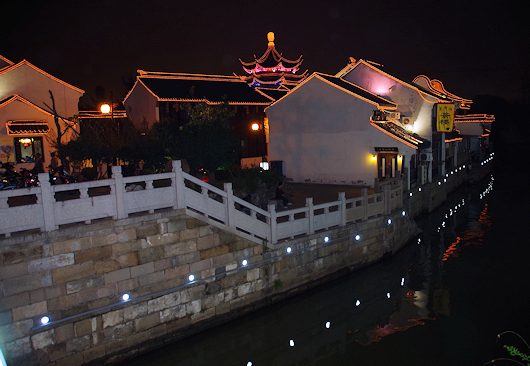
428,197
76,276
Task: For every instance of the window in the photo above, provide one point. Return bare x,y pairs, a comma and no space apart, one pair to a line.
27,147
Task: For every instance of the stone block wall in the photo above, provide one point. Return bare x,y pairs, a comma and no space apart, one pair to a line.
77,275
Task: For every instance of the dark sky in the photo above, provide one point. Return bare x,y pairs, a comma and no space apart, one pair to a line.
473,47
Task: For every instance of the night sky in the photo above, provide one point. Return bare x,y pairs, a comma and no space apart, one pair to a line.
473,47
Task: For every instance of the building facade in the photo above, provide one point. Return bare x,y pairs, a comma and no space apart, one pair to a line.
27,117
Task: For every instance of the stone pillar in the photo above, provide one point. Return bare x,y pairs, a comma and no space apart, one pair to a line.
310,215
48,202
119,192
179,184
342,208
229,202
272,223
387,200
364,192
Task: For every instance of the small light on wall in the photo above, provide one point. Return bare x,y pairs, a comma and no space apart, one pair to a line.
249,363
326,239
357,303
439,183
388,295
357,237
45,320
105,108
125,297
328,324
445,180
291,342
389,221
410,194
191,278
419,189
288,250
419,240
374,157
244,262
254,126
402,281
403,213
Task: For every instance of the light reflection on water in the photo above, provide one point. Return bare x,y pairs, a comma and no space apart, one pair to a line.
348,321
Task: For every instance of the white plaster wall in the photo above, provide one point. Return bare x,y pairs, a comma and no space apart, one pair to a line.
34,86
18,110
410,103
324,134
141,106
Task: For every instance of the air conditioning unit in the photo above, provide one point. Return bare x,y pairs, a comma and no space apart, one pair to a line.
394,115
425,157
406,120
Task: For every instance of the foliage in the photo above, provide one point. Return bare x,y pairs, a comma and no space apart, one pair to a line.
205,141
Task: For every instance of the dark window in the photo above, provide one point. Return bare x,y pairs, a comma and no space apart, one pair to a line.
27,147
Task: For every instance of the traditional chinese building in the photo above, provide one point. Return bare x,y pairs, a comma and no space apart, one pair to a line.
27,118
366,125
167,96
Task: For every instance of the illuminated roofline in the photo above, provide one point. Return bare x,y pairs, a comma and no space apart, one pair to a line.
25,101
26,62
420,92
317,75
404,142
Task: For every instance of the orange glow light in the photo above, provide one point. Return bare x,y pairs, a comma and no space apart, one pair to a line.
254,126
105,108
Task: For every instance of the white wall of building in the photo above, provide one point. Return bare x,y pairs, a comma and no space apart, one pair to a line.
324,134
18,110
33,85
141,106
410,102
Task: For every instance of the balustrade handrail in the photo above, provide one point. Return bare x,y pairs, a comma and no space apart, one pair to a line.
242,219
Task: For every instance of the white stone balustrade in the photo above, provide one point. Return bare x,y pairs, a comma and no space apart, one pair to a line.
120,197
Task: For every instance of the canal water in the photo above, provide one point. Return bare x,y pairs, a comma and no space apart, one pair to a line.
442,300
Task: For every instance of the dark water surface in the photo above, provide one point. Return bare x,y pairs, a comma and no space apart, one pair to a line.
441,301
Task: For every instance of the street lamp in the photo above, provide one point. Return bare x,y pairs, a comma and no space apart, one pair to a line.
255,127
107,108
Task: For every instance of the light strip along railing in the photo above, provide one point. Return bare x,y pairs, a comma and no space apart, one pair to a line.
121,196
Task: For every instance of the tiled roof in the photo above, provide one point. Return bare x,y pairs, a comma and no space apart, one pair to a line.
357,90
402,134
209,90
27,127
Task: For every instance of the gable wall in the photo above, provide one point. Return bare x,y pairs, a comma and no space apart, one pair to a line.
34,86
324,134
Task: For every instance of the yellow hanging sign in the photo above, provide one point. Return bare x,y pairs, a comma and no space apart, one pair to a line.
445,113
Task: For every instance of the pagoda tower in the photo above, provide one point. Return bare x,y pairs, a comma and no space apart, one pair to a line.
272,70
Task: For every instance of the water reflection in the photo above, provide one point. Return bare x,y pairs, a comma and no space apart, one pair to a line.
341,322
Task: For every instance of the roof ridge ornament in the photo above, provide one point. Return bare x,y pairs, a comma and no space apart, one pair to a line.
270,38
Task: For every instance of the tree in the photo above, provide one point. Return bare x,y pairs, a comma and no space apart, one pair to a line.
205,140
64,127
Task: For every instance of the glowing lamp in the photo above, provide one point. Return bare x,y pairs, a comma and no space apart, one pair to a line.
357,303
291,343
288,250
105,108
249,363
126,297
254,126
374,157
402,281
326,239
44,320
388,295
357,237
244,262
328,324
389,221
191,277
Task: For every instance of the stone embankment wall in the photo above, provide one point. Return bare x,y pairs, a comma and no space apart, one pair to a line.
77,275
